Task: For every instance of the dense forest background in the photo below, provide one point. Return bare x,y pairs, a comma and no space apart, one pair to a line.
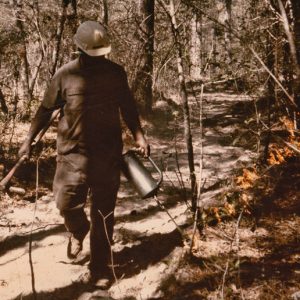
182,57
250,46
168,49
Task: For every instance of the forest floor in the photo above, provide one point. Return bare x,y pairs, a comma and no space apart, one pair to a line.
249,247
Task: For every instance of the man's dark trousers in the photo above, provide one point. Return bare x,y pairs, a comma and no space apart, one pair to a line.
76,174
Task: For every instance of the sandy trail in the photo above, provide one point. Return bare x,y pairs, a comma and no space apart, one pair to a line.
147,245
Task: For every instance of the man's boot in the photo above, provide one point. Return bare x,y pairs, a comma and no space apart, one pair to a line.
99,279
75,243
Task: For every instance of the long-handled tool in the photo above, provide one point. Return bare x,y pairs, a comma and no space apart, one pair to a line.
4,182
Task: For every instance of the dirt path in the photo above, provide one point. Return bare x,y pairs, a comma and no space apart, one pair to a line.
147,248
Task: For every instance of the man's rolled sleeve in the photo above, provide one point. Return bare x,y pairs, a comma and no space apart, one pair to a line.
52,98
128,106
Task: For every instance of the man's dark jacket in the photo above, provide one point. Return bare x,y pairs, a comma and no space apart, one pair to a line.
91,93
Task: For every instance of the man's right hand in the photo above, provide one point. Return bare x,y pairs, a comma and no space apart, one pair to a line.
25,149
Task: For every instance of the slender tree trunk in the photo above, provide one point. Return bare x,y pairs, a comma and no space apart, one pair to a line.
213,55
143,82
35,74
271,61
104,14
72,16
59,33
296,14
18,9
296,30
295,66
290,37
227,34
73,6
3,103
184,102
195,49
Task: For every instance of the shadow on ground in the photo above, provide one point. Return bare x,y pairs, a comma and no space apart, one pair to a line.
272,274
17,241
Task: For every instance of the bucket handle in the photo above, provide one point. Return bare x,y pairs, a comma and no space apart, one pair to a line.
155,167
158,171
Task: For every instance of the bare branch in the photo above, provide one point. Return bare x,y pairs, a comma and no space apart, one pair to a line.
291,99
109,243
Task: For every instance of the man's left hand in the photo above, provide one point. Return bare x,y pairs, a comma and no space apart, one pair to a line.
143,147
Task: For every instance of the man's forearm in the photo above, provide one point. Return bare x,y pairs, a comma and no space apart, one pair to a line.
137,133
41,119
143,146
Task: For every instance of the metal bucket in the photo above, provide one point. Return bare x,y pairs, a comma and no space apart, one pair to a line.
136,172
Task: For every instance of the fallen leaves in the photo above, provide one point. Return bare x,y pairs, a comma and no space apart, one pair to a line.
278,155
247,179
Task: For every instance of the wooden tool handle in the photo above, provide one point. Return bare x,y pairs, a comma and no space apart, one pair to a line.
7,178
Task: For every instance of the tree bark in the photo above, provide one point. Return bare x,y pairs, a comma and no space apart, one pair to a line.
227,34
105,13
294,59
184,102
71,14
143,82
195,49
212,58
3,103
271,96
296,30
59,33
18,9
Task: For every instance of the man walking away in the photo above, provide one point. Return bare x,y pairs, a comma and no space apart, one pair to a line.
91,92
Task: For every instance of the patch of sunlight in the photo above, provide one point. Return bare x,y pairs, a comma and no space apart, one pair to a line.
159,222
141,286
49,263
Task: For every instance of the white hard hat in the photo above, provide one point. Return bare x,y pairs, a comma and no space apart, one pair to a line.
91,38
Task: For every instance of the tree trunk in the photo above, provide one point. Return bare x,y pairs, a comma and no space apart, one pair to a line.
35,75
195,49
227,34
142,85
3,103
104,14
295,66
59,33
23,54
71,14
212,59
271,96
184,102
296,30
